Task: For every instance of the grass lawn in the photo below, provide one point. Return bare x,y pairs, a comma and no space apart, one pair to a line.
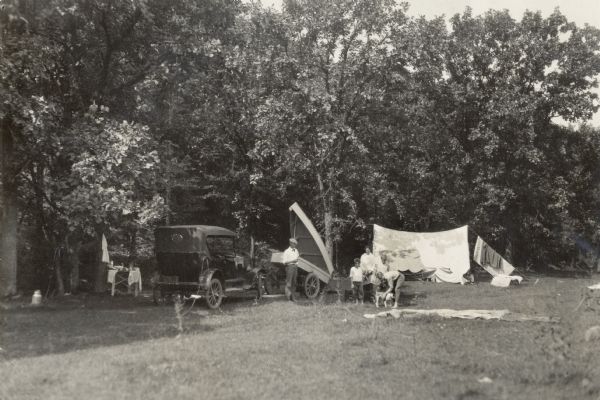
98,347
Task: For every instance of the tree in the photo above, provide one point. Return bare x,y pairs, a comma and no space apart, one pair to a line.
63,57
501,96
26,64
336,60
114,180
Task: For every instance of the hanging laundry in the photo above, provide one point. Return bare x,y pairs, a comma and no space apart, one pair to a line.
491,261
105,256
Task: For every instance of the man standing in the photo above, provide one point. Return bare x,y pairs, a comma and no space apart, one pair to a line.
368,267
290,260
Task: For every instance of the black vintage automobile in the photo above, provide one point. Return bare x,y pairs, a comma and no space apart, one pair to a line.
200,261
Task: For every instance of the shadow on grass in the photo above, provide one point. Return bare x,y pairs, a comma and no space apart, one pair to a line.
90,321
87,321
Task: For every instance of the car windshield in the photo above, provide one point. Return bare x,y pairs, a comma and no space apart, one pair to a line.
220,245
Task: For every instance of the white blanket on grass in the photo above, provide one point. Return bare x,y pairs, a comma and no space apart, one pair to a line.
444,313
594,287
505,315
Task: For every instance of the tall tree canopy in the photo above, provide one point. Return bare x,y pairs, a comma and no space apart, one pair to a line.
117,116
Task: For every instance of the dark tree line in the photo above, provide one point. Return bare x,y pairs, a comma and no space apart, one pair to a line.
118,116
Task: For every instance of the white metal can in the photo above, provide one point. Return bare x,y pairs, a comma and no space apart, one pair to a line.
36,299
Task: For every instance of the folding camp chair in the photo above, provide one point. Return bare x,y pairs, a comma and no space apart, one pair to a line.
117,277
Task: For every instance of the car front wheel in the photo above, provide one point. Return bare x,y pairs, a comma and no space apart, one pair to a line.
268,285
214,294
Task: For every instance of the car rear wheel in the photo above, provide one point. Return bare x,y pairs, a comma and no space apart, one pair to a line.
157,295
214,294
312,286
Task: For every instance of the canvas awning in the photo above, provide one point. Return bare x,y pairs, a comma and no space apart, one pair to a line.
313,254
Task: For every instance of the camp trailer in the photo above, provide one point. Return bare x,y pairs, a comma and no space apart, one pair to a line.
315,268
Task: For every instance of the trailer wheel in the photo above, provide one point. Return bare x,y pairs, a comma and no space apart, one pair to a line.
214,294
312,286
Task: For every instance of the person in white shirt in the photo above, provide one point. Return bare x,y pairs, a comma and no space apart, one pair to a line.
367,260
290,260
368,264
356,275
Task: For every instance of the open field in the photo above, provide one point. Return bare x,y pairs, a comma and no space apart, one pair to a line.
98,347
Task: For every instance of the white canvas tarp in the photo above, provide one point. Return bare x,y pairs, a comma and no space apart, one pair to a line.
445,254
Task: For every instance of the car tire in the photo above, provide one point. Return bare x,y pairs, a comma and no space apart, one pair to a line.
268,285
312,286
158,296
214,294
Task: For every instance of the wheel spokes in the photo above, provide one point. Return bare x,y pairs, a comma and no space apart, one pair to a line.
311,285
212,299
214,294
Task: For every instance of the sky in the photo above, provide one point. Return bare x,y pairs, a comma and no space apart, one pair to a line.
579,11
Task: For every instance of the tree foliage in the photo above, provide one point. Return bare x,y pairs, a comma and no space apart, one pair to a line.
118,116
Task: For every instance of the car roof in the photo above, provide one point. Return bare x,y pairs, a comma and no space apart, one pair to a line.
209,230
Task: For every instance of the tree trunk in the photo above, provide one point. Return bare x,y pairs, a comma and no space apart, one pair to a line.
327,216
73,249
45,246
60,285
168,204
328,220
8,245
74,260
132,248
101,268
8,215
168,181
518,252
252,251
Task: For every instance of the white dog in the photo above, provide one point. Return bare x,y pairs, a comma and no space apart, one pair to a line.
380,292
